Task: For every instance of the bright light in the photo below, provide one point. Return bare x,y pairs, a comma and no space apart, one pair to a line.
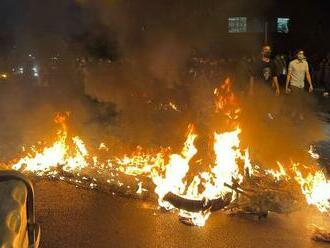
283,25
237,24
35,71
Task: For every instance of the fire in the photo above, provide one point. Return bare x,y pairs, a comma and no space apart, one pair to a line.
312,153
169,171
4,76
175,172
316,189
224,171
214,182
174,107
225,101
140,163
60,153
280,174
227,152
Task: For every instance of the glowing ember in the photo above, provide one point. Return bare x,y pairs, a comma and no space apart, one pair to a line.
313,153
139,164
102,146
3,76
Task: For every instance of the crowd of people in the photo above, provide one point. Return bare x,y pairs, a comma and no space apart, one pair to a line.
284,72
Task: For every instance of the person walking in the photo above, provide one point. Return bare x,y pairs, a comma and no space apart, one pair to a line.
265,71
298,72
263,83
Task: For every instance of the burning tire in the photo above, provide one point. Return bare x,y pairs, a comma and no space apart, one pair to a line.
198,205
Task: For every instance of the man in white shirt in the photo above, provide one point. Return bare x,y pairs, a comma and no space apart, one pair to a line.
297,73
295,83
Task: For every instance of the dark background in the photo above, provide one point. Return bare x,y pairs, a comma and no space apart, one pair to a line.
63,24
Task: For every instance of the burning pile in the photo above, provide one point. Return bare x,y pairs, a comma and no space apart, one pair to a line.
71,156
230,182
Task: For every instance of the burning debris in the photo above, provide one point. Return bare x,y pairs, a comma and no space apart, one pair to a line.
230,182
197,205
261,193
320,234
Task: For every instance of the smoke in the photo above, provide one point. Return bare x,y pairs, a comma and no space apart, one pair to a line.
154,43
280,128
158,38
150,45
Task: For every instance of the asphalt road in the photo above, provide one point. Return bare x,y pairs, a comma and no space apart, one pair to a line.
73,217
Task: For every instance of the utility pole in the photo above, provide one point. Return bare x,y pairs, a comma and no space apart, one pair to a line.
266,33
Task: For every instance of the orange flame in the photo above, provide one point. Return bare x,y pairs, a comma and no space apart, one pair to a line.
72,155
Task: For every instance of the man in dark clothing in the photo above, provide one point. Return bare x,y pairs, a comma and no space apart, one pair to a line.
263,82
265,71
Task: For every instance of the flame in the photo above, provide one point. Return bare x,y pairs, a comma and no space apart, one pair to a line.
227,152
316,189
3,76
225,101
312,153
140,189
166,106
197,219
59,154
141,163
174,106
169,171
224,171
103,147
175,172
280,174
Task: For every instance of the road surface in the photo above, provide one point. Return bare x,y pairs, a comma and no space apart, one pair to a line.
73,217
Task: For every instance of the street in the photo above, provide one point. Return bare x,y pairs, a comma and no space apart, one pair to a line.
73,217
118,110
